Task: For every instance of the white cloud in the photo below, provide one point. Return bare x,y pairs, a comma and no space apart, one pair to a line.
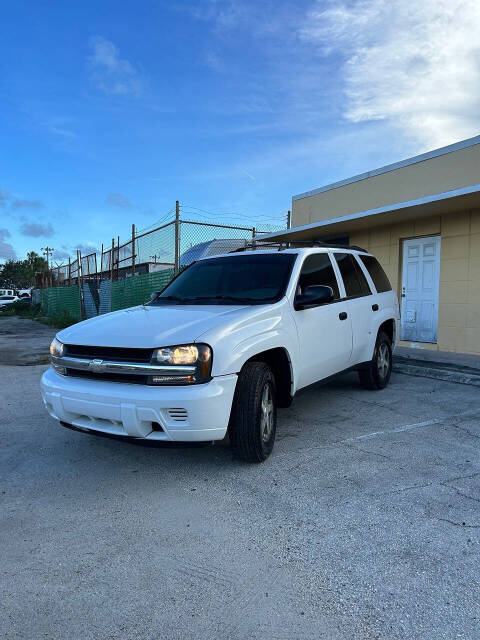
86,248
111,73
7,251
8,199
415,64
36,229
119,200
60,254
64,133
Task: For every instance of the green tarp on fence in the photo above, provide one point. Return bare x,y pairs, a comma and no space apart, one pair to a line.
60,300
137,290
125,293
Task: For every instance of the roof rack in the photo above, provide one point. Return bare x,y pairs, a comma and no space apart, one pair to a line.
287,244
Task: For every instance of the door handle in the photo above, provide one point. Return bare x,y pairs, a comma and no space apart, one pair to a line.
374,307
343,315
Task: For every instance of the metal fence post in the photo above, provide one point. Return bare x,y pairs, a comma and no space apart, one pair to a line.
111,260
79,284
133,250
177,237
117,275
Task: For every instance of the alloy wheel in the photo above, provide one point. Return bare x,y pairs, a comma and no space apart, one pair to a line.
383,360
266,418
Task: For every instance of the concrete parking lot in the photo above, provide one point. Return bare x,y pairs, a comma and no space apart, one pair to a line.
364,523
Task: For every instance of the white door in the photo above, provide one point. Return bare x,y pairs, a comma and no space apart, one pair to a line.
420,286
324,332
360,305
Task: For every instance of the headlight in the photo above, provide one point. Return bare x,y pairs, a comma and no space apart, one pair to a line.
56,351
184,364
56,348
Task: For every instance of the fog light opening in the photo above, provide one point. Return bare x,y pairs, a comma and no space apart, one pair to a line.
156,427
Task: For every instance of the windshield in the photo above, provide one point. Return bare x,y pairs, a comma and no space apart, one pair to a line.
245,279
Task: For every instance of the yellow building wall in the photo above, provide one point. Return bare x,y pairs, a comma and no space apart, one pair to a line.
446,172
459,298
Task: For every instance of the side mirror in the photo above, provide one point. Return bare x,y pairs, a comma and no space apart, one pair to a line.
154,294
314,296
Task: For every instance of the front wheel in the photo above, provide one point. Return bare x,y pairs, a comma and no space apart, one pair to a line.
253,422
376,374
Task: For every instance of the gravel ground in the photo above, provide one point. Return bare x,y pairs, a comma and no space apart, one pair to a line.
24,341
364,523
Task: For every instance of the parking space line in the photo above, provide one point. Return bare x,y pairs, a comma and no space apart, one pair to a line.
446,420
417,425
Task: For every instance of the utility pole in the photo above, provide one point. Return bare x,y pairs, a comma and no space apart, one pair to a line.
289,219
47,251
154,258
177,237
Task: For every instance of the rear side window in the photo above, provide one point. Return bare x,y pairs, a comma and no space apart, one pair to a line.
353,278
377,274
317,269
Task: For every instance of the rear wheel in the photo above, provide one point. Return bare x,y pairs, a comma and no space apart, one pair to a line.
377,374
253,422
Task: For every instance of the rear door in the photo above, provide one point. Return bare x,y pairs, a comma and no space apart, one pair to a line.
360,305
324,332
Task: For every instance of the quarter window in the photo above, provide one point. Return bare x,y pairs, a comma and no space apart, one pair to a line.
318,270
353,278
377,274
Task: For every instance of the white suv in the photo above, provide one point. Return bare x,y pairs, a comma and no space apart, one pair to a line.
229,340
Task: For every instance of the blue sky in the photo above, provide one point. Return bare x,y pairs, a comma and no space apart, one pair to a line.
111,111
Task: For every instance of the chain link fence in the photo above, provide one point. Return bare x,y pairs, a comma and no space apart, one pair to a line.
124,274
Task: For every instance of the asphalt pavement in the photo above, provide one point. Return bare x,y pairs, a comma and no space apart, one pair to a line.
364,523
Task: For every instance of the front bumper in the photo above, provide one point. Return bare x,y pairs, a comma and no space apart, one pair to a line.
184,414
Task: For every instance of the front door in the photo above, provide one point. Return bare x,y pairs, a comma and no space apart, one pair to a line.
420,286
324,332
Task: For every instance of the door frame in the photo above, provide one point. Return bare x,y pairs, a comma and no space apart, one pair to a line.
403,242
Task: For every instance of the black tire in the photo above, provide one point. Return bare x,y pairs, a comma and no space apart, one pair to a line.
252,433
376,375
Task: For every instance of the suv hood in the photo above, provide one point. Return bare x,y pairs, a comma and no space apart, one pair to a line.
148,327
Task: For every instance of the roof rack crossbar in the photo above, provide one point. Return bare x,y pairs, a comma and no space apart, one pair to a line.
287,244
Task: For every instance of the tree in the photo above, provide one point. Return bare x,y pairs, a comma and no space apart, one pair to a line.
19,274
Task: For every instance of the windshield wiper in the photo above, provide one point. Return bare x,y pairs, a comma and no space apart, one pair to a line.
175,298
213,298
223,299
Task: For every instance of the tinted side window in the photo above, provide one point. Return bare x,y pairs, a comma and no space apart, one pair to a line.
377,274
355,282
317,269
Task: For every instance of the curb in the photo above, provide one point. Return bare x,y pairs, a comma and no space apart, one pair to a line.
461,375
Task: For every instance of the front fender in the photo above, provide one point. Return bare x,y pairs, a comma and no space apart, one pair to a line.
266,328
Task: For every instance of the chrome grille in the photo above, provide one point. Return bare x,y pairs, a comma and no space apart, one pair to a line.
117,365
119,354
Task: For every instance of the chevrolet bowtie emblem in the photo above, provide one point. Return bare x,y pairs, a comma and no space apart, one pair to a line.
96,366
